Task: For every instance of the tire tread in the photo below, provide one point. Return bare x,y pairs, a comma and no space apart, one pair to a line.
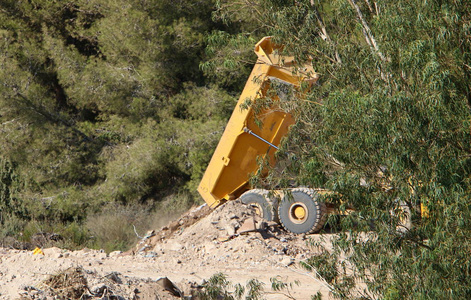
321,208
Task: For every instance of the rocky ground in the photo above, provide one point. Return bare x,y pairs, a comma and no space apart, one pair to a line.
171,263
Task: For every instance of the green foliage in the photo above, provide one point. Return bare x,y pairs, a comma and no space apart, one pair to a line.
164,155
317,296
218,287
73,234
333,272
389,121
103,102
199,103
9,204
282,287
12,225
229,58
324,264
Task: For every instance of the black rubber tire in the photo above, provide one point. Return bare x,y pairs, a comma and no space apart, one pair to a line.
308,199
259,199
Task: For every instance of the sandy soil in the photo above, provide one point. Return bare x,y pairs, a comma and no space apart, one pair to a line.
186,252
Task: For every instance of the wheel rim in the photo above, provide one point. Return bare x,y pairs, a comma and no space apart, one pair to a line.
298,213
301,211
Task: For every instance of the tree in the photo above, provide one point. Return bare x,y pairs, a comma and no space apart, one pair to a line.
388,123
89,88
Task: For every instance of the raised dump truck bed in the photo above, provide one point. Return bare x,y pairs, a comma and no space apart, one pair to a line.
250,135
244,139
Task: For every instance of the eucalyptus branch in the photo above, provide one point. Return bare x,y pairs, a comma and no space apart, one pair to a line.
310,101
420,244
328,57
281,293
324,32
253,6
317,278
370,39
367,31
332,74
378,11
369,6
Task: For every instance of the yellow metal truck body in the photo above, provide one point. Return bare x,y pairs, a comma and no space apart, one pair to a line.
248,135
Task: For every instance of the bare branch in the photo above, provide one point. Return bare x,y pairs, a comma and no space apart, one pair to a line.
42,111
369,6
367,31
11,121
135,231
324,33
317,278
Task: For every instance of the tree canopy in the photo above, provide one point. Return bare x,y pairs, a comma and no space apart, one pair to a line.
104,102
387,125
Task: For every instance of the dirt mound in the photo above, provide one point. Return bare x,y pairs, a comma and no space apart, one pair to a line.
77,283
223,235
186,220
175,260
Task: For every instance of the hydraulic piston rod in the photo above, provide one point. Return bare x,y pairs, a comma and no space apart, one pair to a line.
259,137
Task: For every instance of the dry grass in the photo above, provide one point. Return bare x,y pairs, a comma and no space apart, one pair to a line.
68,284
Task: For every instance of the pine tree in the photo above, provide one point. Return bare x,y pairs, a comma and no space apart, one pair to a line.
103,101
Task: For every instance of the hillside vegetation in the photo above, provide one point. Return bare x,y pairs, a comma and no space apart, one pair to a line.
111,110
104,105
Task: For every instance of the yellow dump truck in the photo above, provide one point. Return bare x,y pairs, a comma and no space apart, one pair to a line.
250,135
